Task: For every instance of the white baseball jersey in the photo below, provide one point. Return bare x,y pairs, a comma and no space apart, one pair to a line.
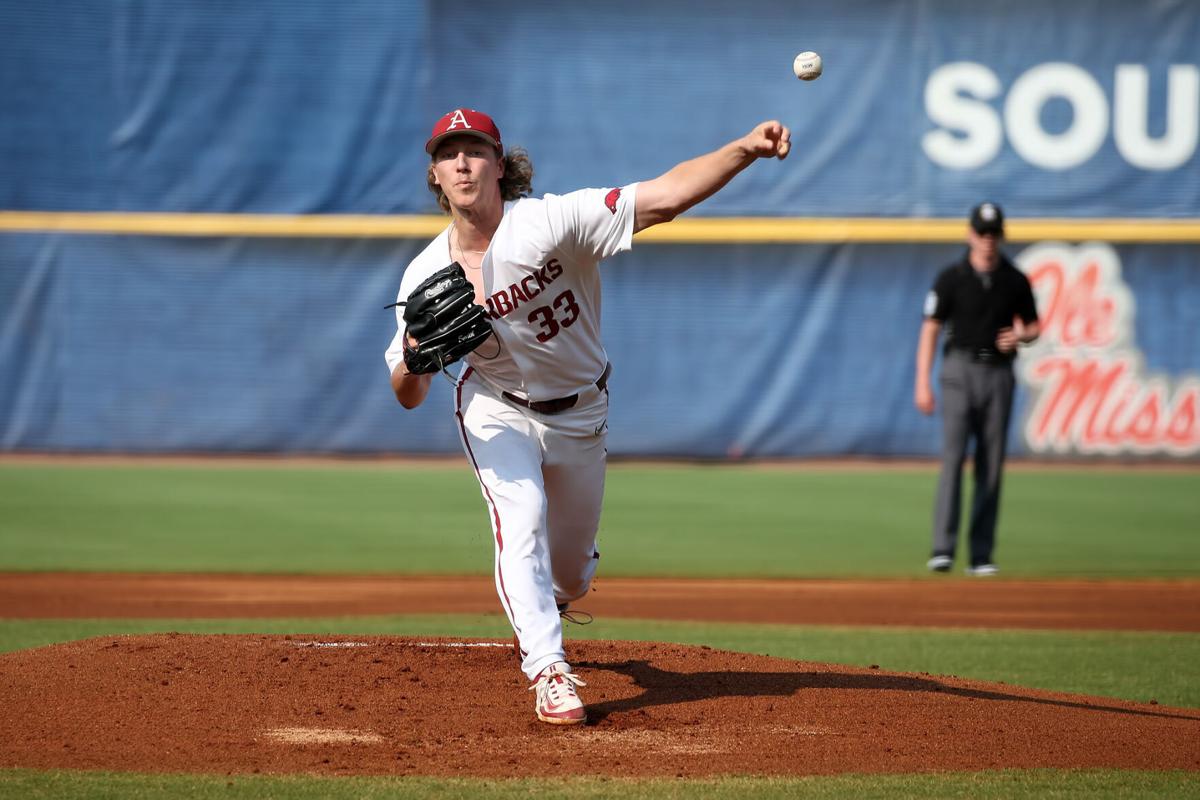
543,290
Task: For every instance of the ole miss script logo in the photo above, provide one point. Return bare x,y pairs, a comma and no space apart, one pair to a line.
1091,392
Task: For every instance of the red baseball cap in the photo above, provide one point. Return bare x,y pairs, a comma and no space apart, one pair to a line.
466,121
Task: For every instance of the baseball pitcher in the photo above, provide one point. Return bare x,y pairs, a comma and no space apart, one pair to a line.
512,288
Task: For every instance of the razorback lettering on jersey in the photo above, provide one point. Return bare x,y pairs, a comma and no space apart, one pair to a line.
505,301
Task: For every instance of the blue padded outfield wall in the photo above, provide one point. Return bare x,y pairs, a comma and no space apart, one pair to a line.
144,345
167,343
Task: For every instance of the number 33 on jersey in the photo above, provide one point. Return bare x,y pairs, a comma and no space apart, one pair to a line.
530,289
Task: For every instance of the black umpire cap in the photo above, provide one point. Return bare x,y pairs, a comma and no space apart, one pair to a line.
987,219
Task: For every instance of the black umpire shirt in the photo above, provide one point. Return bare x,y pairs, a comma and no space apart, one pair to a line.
974,306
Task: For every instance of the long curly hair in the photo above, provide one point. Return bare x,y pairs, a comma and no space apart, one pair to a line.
517,180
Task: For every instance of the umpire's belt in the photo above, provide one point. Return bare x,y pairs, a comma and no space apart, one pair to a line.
559,404
983,355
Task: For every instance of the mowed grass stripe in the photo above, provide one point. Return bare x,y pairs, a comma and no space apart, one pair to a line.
674,520
991,785
1139,666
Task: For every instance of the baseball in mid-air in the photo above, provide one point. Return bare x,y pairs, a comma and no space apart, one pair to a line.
807,66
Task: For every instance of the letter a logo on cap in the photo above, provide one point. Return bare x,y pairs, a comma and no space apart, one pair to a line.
464,121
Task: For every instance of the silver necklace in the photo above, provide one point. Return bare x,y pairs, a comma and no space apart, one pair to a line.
462,254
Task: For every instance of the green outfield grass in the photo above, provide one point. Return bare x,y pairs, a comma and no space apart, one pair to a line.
676,520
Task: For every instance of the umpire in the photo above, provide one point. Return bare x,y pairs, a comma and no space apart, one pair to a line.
986,306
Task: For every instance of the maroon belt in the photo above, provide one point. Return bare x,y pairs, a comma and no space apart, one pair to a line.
559,404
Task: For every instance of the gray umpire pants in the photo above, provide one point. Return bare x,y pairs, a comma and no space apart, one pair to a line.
976,404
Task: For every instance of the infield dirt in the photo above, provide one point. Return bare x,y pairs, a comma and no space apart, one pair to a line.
983,603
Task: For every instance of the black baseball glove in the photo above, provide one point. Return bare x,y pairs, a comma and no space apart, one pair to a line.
441,315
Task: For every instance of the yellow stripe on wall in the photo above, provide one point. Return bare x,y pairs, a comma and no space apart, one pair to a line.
279,225
688,230
863,229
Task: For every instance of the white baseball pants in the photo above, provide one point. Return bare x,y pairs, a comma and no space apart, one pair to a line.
542,478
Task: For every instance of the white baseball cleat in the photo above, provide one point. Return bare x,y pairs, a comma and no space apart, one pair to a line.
983,569
557,701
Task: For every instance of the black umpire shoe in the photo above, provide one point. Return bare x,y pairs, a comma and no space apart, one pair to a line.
940,563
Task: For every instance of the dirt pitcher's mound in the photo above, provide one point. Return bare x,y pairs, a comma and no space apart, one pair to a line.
447,707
